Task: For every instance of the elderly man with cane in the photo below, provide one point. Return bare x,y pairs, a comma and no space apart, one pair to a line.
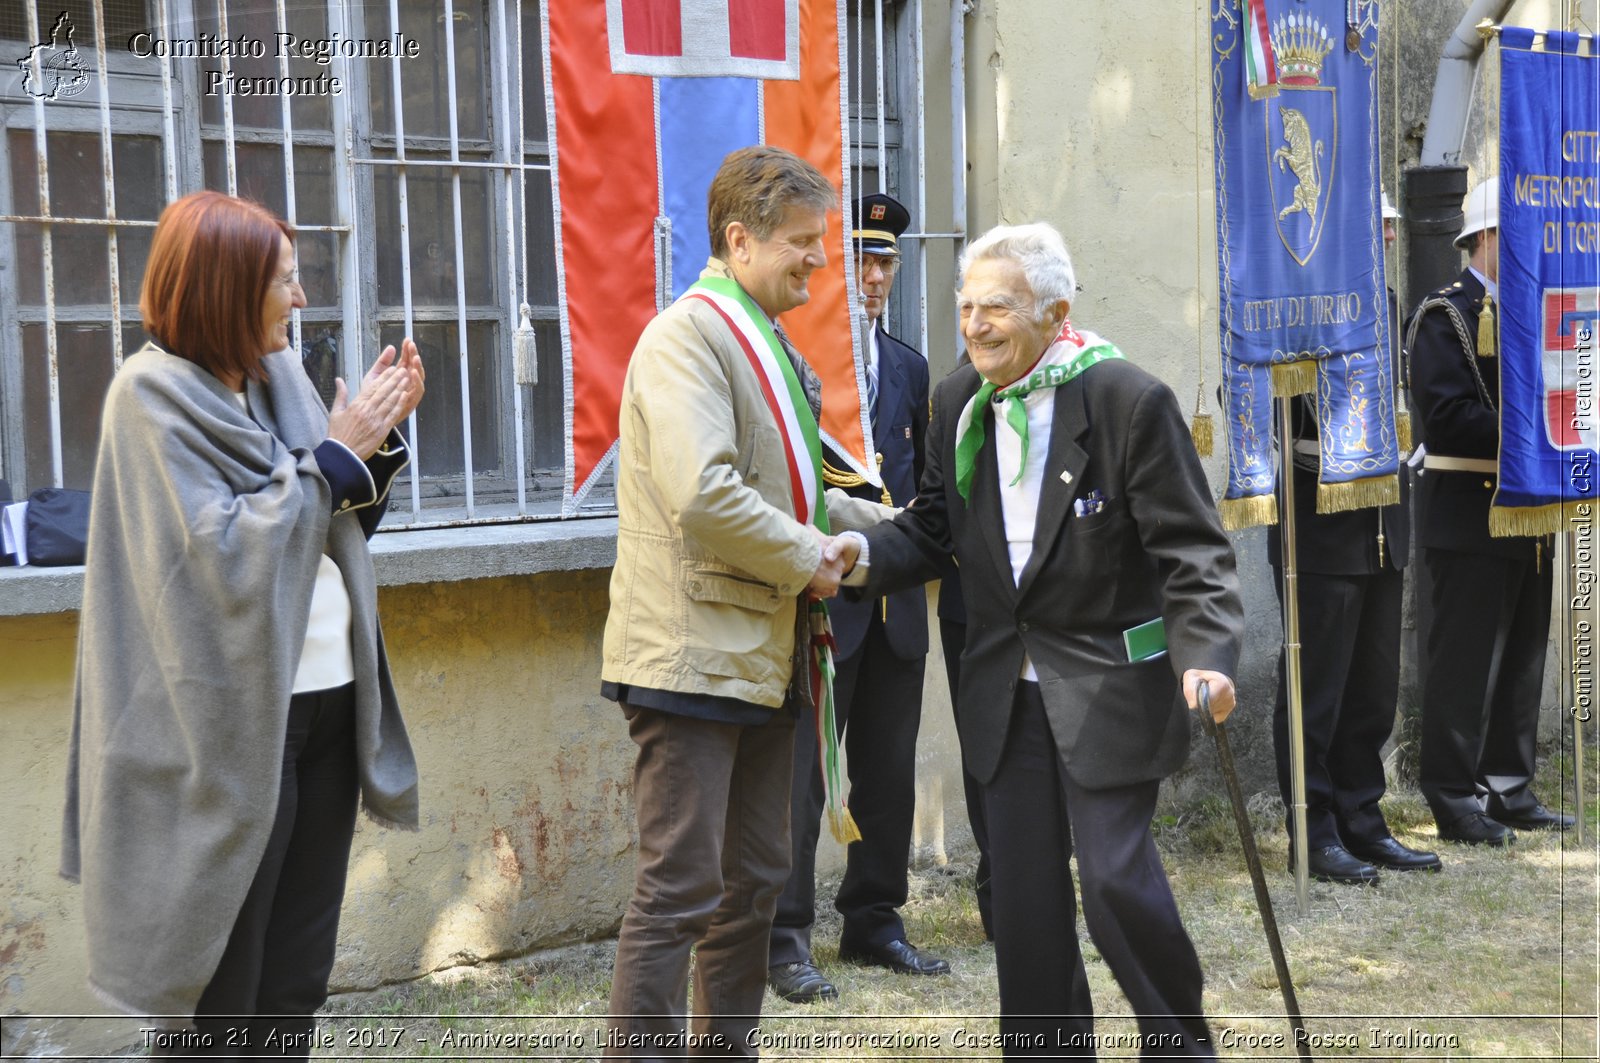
1098,581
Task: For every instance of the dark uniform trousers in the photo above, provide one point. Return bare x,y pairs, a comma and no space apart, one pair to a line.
1350,683
1482,680
880,742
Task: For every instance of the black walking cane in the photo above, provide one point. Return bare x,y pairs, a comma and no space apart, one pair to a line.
1247,840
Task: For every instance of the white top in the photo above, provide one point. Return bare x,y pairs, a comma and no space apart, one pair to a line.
325,659
1019,504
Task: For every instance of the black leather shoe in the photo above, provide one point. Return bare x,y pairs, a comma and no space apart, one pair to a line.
1390,855
1536,818
1476,828
800,983
902,957
1335,864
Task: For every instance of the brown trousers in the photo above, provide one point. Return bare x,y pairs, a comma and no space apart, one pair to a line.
713,816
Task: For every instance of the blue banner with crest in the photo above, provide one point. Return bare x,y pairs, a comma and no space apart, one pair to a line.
1549,274
1304,305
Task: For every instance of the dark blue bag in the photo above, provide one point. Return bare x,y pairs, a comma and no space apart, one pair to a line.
57,526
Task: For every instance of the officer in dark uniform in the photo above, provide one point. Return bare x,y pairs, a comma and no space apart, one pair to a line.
1489,624
881,651
1352,581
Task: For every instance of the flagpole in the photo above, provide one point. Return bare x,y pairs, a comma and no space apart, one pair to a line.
1291,658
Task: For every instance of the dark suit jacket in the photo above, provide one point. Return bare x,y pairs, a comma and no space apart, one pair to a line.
1453,507
1156,549
899,436
1344,544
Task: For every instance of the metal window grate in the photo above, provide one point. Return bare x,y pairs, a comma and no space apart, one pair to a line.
422,197
122,17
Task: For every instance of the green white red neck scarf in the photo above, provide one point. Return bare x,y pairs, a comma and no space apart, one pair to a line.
802,446
1068,355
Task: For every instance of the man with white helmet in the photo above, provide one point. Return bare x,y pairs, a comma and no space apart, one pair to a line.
1485,635
1352,582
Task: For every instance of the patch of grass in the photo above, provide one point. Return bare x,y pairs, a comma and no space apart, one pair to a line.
1483,960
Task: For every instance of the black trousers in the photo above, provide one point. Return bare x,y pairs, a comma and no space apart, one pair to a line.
1482,682
953,637
1038,817
1350,687
878,706
273,975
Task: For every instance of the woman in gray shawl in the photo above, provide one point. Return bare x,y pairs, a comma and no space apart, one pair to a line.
233,698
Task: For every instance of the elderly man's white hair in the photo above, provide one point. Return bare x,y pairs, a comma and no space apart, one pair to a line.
1041,252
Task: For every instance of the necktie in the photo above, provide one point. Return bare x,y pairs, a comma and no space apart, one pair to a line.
872,392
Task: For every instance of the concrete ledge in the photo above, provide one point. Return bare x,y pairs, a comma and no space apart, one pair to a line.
434,555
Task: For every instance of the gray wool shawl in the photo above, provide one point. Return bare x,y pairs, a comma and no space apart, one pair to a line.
205,534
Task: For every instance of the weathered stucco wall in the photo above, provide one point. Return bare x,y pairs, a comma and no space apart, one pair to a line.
527,807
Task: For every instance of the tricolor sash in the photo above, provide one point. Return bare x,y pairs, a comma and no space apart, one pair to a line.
802,448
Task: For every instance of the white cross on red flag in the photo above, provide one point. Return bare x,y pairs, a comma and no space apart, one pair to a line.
705,38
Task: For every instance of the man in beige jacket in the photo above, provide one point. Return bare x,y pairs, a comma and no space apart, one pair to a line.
717,557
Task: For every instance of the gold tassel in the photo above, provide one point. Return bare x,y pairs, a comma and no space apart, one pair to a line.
1358,494
1402,429
1240,513
1486,331
1203,433
843,826
1508,521
1294,378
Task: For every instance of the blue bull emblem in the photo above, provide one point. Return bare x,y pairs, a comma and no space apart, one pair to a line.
1302,145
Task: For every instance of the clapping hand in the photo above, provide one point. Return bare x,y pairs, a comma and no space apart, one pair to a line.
390,392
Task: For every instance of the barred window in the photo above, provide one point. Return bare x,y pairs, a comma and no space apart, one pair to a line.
421,192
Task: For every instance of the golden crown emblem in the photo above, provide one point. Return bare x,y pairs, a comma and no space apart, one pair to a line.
1300,43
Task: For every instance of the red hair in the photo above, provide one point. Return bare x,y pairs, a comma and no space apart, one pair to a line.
211,262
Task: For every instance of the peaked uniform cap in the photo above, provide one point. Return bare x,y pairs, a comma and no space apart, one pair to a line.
880,220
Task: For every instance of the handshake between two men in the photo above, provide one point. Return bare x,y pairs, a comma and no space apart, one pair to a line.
839,553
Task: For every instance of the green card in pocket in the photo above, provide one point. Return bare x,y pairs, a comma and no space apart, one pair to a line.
1147,640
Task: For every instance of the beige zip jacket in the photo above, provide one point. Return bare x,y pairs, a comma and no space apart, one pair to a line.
711,562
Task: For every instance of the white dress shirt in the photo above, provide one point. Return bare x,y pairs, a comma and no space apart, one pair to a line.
1019,504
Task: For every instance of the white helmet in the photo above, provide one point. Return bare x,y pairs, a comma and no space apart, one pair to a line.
1388,208
1482,209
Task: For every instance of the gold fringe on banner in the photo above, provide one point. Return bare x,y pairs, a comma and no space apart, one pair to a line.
1203,433
1241,513
1507,521
1358,494
1402,430
1294,378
